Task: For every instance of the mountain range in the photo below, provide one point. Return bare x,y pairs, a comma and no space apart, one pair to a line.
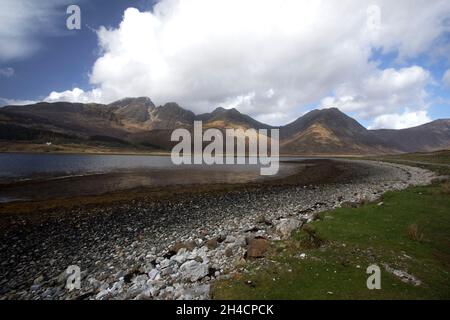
137,122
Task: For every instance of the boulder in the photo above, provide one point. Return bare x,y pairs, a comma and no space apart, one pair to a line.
181,256
212,244
188,245
193,270
154,274
285,227
168,267
257,248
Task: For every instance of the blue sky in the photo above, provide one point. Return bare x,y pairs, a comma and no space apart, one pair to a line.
261,59
66,57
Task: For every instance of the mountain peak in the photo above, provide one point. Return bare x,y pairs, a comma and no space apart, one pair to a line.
221,110
132,101
133,109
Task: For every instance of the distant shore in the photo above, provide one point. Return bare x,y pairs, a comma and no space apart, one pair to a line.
8,147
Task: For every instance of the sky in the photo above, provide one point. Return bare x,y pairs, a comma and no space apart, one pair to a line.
386,63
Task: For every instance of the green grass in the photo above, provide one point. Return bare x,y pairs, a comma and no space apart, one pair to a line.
442,156
356,238
438,161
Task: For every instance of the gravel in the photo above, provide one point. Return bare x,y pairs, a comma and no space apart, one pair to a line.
124,252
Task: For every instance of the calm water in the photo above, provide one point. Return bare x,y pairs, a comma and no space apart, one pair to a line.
62,175
19,165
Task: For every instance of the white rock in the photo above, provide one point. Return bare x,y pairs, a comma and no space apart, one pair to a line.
181,256
193,270
153,274
286,226
140,279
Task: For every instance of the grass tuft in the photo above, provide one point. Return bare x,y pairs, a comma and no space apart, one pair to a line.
414,232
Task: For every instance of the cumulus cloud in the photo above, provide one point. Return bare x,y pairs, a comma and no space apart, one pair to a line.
6,72
446,78
400,121
75,95
383,92
23,22
269,58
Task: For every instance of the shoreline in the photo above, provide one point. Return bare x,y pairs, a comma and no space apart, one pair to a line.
134,235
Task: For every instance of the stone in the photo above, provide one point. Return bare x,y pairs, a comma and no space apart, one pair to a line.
262,219
39,279
212,244
230,239
193,270
181,256
153,274
286,226
168,267
200,292
229,250
140,279
102,294
257,248
188,245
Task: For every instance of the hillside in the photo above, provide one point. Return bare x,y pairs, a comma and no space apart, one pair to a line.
137,123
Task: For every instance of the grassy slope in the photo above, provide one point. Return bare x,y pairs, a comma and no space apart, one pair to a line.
355,239
438,161
73,148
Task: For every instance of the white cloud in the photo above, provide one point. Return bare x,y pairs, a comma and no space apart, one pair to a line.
400,121
383,92
268,57
15,102
6,72
23,22
446,78
75,95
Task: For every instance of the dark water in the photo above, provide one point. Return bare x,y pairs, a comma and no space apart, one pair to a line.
42,176
19,165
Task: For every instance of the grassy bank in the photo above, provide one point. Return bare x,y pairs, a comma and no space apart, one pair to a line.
408,231
438,161
75,148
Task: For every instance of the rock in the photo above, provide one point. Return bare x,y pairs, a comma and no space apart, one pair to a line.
189,245
228,252
102,294
257,248
230,239
62,278
117,288
200,292
252,230
140,279
262,219
168,267
153,274
238,241
193,270
212,244
403,275
35,287
286,226
181,256
39,279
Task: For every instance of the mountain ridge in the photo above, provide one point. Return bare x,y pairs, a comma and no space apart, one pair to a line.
138,121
